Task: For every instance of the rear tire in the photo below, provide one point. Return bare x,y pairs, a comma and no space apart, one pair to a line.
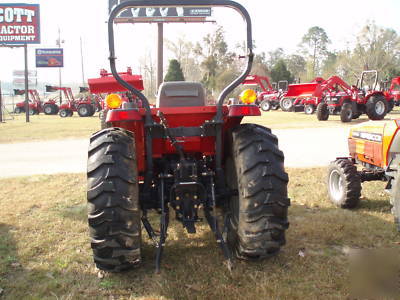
322,112
84,110
265,105
114,215
346,113
376,107
344,184
48,109
286,104
257,216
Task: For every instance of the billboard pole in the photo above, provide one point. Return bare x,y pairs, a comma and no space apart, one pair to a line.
26,83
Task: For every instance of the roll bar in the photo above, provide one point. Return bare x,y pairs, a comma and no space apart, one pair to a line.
375,74
180,3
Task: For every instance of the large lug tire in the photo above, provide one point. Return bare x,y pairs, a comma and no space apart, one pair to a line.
114,214
309,109
265,105
257,215
63,113
346,113
18,110
286,104
344,184
395,199
376,107
322,112
84,110
48,109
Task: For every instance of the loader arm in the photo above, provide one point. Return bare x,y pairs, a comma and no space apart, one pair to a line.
331,84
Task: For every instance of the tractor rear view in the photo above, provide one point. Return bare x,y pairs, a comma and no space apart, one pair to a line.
186,158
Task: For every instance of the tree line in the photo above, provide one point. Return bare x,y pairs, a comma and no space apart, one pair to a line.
215,65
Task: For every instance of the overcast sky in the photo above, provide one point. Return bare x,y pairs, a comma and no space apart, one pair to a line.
275,24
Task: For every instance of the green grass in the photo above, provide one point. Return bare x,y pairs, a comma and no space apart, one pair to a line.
43,127
45,251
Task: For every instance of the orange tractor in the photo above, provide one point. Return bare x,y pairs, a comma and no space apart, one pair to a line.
375,147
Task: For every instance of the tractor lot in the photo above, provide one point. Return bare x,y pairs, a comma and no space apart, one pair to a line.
45,253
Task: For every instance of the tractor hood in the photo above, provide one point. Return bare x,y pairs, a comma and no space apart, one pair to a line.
372,141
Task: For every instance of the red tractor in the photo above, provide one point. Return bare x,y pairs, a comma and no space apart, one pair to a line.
393,92
85,107
36,106
188,158
106,83
352,101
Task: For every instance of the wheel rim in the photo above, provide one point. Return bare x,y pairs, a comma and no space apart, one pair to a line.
47,109
380,108
309,110
287,103
63,113
265,106
83,111
336,186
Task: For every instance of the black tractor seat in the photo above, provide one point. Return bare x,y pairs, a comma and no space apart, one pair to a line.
180,94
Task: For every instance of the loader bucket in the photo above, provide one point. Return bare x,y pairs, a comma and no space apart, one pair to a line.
301,90
109,84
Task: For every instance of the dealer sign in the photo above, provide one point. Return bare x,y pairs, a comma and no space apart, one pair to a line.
19,23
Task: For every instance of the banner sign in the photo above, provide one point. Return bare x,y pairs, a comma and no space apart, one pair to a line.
50,58
159,13
19,23
21,73
21,82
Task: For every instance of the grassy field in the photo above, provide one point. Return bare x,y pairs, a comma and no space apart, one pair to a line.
44,127
45,251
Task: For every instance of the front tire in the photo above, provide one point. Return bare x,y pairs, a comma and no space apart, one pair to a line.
114,215
346,113
376,107
84,110
18,110
257,215
265,105
344,184
63,113
309,109
286,104
322,112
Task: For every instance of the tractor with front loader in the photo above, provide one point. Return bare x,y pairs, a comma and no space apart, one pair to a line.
374,148
184,157
36,106
106,84
353,101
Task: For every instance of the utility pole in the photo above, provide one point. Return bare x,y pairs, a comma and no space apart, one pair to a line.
83,71
160,54
59,41
26,84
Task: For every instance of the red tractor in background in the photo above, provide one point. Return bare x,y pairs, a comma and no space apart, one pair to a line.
36,106
85,107
107,84
186,157
352,101
393,92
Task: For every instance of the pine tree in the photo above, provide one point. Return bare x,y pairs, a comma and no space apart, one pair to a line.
174,71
